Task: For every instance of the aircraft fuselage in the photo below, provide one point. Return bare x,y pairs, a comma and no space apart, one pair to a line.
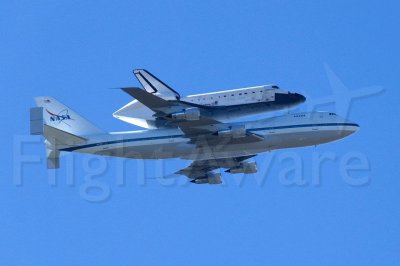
288,131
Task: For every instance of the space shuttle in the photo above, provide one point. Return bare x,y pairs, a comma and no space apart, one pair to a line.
224,106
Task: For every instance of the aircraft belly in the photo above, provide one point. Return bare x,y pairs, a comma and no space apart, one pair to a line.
303,138
273,141
170,148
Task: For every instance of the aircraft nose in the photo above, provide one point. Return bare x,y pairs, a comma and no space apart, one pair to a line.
355,127
349,129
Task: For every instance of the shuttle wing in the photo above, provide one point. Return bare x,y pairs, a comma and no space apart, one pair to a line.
200,129
165,109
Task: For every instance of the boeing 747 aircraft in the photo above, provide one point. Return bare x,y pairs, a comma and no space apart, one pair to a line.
188,133
222,105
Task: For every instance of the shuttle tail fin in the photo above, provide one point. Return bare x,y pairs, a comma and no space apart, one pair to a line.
153,85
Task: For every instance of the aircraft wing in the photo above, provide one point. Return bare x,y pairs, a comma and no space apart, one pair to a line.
202,130
201,171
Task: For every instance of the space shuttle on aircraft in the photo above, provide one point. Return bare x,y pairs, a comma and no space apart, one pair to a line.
224,106
190,128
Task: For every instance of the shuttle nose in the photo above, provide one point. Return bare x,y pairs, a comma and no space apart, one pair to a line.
297,98
300,98
289,98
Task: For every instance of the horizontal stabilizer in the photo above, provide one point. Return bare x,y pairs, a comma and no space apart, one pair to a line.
37,121
58,137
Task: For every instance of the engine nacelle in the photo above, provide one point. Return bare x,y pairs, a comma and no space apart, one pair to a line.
192,113
210,178
233,132
244,167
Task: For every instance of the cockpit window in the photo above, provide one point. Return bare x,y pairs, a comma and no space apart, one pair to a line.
275,87
332,114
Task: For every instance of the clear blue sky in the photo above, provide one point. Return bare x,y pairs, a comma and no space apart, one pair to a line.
76,50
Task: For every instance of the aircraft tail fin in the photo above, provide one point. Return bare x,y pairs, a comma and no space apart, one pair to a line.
59,116
60,126
153,85
56,139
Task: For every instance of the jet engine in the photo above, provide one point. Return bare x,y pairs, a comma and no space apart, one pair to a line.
192,113
233,132
244,167
210,178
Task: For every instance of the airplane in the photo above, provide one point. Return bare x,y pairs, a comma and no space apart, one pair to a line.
224,106
210,144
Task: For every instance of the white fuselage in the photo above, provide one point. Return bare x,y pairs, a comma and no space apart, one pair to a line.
292,130
228,105
235,97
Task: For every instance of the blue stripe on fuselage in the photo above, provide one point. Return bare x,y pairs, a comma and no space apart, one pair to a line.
181,135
